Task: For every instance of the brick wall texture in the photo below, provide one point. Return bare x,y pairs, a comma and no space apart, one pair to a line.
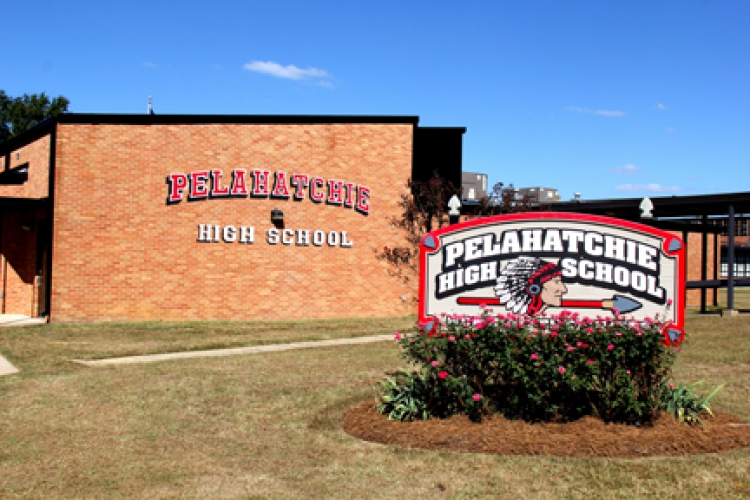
18,231
121,253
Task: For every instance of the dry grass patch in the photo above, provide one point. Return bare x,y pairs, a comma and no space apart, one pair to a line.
269,426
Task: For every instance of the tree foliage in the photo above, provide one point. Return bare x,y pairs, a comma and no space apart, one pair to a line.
424,207
19,114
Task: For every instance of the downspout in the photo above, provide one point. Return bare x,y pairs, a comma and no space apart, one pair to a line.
3,264
51,225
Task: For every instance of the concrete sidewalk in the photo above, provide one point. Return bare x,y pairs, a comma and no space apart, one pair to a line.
151,358
19,319
6,368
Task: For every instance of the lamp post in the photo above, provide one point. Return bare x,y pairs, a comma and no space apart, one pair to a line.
454,204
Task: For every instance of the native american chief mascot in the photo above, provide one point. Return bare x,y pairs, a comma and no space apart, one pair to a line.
528,285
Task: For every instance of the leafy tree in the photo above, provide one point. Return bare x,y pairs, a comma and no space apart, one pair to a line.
19,114
424,207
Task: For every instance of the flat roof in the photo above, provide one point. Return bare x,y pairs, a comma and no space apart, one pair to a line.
145,119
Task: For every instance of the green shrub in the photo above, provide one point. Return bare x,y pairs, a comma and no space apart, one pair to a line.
556,368
684,404
404,396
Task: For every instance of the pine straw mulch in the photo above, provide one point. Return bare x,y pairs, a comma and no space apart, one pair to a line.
588,437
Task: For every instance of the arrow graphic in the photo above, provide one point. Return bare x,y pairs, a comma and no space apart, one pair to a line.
619,302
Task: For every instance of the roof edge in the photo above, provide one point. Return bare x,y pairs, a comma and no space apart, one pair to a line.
19,141
144,119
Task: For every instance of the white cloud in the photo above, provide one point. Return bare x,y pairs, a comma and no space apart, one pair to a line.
628,169
670,129
596,112
661,107
650,188
292,72
149,64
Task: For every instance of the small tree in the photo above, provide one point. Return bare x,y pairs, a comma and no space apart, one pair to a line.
19,114
425,207
502,200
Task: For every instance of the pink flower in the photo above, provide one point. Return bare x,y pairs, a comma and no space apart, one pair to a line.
477,397
611,347
443,375
571,348
671,385
534,357
589,330
429,358
561,369
618,334
590,361
669,302
451,339
397,336
628,372
467,336
434,364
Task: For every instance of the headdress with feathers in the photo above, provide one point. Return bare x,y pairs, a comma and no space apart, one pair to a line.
520,283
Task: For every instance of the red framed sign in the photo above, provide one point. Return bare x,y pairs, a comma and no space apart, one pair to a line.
543,263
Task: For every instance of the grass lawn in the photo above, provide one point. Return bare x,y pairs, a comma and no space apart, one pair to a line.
268,426
741,300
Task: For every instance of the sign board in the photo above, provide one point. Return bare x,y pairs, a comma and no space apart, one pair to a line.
544,263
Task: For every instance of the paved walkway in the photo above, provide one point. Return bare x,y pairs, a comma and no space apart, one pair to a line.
151,358
19,319
6,368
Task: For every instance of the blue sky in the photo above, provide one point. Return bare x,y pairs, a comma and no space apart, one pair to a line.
606,98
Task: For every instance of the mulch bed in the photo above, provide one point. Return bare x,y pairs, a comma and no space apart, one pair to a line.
588,437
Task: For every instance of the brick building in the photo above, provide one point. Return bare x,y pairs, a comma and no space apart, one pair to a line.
118,217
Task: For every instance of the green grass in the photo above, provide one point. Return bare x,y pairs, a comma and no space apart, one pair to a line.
49,348
268,426
741,301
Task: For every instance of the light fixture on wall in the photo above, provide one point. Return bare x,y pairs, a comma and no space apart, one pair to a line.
277,217
27,223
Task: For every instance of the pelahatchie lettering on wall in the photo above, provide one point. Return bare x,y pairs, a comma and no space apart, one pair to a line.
208,184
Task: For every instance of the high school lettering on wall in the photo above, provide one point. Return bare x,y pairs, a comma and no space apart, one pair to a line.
207,184
214,233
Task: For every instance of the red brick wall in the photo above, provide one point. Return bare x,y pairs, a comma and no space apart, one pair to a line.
18,263
37,156
18,246
120,252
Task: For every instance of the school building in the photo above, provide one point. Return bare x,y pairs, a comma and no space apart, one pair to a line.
178,217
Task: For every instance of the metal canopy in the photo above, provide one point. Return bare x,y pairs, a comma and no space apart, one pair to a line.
664,206
694,211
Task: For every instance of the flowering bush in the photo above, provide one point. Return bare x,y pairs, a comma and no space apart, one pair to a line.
557,368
